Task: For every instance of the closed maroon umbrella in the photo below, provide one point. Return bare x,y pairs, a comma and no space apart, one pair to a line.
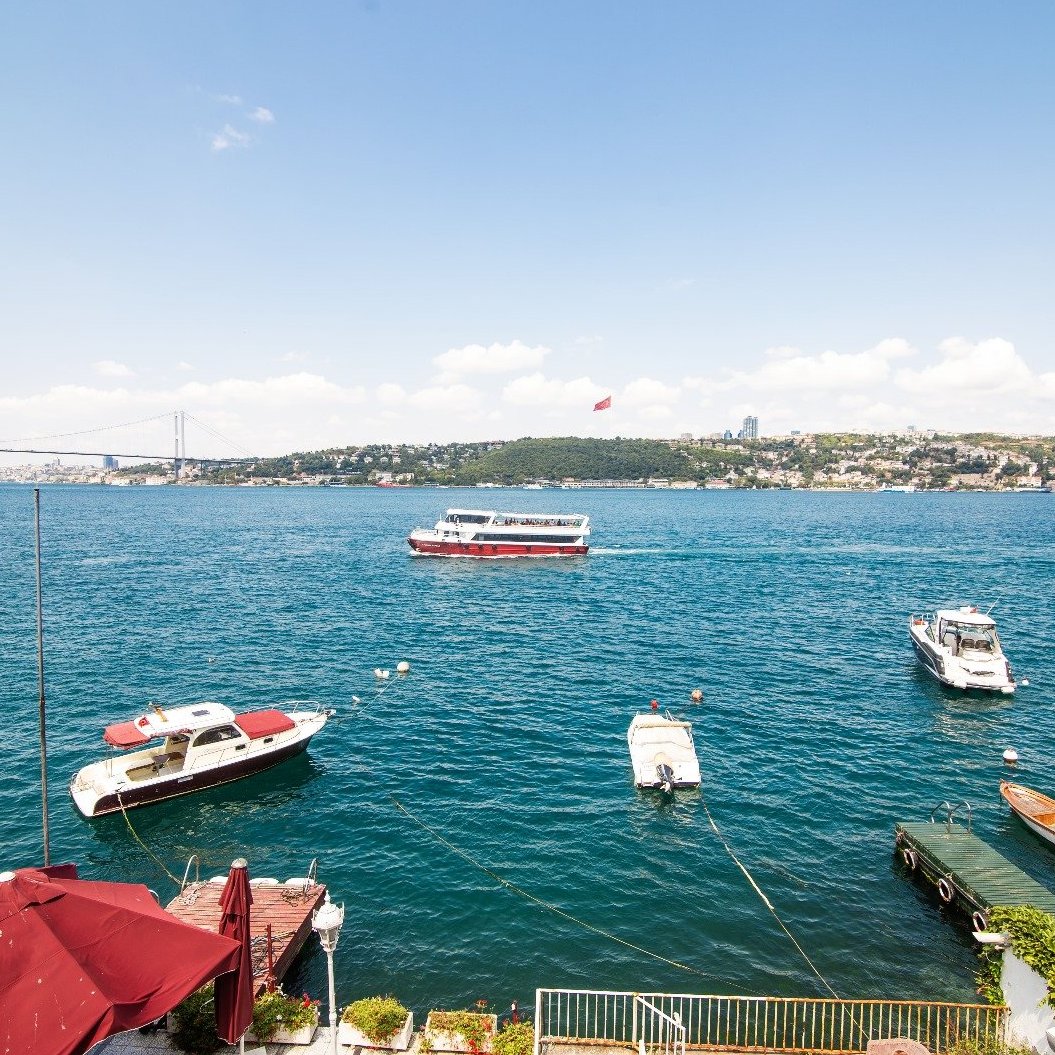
235,991
81,961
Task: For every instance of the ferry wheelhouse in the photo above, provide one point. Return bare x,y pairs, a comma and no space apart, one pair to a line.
182,749
485,533
961,648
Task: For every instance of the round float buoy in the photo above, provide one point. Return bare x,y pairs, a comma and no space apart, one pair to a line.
654,704
380,674
1010,756
979,922
696,695
945,891
403,667
1024,681
909,857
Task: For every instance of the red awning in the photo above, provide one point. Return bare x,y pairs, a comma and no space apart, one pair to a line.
256,724
125,734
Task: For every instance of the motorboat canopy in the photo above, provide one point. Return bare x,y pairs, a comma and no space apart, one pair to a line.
168,722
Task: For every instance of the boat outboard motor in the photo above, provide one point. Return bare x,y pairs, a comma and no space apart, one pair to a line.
666,778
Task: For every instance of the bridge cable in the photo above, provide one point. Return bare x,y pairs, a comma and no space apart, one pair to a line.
89,432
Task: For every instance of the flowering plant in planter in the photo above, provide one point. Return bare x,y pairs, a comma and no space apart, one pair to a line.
515,1038
377,1021
276,1014
463,1031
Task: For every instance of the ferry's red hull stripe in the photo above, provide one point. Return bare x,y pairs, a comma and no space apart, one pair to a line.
496,549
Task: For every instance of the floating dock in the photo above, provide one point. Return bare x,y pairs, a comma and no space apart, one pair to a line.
286,907
967,871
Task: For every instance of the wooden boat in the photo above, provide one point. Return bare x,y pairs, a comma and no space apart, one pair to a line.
1036,811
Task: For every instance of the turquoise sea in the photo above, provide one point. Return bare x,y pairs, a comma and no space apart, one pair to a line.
788,609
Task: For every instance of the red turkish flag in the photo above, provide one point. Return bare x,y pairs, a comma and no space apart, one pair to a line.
605,404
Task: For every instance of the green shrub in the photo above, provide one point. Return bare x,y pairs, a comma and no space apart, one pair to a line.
193,1027
473,1027
516,1039
378,1017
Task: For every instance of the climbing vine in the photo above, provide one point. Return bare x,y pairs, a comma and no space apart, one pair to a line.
1032,934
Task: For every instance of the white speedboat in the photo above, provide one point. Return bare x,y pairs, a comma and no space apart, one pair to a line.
960,647
485,533
197,747
662,752
1035,810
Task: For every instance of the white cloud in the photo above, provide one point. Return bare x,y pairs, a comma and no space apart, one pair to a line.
230,137
991,366
262,115
232,100
390,394
790,369
111,368
646,392
492,359
184,365
453,399
536,390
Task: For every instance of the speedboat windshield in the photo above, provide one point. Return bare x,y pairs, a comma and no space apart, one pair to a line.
970,637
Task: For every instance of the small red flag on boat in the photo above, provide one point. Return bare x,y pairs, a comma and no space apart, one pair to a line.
604,404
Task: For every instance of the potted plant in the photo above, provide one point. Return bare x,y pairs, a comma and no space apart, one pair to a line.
377,1022
462,1031
281,1019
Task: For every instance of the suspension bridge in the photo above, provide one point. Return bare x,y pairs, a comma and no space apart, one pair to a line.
147,434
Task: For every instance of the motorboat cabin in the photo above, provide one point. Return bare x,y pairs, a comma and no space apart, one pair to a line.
177,750
662,752
961,648
486,533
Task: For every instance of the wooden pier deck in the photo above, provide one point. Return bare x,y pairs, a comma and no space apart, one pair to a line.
966,870
286,906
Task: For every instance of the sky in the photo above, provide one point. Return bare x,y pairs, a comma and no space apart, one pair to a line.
326,224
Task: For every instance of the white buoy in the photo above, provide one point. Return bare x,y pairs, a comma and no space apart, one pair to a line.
1024,681
403,667
381,675
1010,756
696,695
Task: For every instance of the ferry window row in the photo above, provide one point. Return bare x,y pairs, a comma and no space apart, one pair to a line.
558,539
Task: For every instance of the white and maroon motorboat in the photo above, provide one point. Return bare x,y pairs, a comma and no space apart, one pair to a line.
961,648
485,533
197,747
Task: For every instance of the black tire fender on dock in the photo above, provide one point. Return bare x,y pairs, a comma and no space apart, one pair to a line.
979,921
946,891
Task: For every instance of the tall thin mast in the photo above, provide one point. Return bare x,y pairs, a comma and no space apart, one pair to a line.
40,679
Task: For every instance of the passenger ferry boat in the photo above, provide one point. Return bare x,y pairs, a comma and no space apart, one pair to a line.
960,647
200,746
485,533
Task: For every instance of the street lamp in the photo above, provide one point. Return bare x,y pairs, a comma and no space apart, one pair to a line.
326,921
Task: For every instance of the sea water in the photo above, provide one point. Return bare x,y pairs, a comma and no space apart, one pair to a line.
789,610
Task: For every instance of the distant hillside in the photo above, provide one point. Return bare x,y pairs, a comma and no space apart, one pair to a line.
581,459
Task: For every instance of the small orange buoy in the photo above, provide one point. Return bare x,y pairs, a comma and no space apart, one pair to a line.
696,695
654,704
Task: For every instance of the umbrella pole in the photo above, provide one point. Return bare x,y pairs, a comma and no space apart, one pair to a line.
40,679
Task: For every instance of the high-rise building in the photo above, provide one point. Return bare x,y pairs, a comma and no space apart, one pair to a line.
109,461
750,429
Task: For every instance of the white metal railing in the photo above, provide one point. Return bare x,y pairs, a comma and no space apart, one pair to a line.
655,1031
748,1023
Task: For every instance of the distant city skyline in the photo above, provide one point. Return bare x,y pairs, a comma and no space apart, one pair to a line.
402,223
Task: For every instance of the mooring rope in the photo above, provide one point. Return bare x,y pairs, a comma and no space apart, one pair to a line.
539,901
765,900
150,853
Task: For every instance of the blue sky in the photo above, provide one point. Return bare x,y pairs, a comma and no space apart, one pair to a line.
338,223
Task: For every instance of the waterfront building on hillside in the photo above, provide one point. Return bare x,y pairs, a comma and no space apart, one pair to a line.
750,429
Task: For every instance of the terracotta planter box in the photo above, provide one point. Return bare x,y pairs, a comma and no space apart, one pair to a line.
399,1041
444,1041
303,1035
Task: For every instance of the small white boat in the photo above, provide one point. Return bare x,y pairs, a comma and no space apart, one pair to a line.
1035,810
662,752
201,746
486,533
960,647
